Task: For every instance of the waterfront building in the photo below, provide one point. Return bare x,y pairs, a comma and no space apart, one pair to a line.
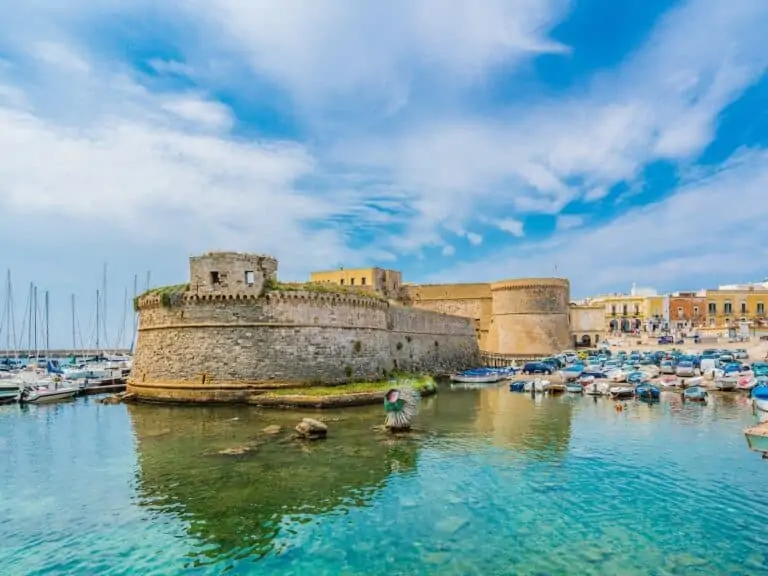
688,310
728,305
628,312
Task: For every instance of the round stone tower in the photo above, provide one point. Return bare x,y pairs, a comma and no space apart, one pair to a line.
530,316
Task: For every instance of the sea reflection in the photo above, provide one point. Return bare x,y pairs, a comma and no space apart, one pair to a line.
489,482
239,486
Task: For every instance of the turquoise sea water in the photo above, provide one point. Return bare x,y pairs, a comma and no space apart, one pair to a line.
490,483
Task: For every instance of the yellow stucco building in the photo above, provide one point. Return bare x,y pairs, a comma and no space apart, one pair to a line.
728,305
384,282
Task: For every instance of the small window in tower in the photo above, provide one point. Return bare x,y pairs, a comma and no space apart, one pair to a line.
351,281
249,280
362,281
342,282
215,278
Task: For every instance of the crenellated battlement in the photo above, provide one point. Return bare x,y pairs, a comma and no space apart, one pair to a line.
297,296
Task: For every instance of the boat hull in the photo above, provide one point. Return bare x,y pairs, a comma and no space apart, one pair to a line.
757,438
42,397
695,394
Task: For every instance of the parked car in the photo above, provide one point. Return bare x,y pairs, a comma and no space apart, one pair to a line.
741,354
537,368
666,340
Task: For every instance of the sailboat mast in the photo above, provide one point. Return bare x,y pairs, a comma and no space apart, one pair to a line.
47,324
8,313
74,339
35,319
104,304
98,308
29,323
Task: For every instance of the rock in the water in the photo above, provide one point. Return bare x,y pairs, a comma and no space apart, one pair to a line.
112,399
311,429
273,429
235,451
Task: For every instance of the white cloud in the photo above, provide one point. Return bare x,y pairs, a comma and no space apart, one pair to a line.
448,250
60,56
206,114
171,67
662,103
711,226
512,226
326,48
474,239
568,221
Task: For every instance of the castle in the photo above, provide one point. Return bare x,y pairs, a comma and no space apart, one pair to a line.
234,332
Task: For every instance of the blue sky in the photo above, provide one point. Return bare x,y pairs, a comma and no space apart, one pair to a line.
614,142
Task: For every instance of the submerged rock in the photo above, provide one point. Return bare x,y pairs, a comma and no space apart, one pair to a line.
311,429
235,451
118,398
273,429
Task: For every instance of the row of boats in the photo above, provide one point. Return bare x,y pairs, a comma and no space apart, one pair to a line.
52,381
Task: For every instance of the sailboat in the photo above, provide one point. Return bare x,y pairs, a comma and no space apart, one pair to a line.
34,389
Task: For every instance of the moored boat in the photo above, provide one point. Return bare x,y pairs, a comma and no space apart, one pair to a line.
746,383
518,386
760,398
695,394
648,392
726,383
48,392
555,388
597,389
479,376
757,438
537,386
572,372
574,388
695,381
622,392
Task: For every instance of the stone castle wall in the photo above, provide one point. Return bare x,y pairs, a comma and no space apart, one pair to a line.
520,317
530,316
219,344
467,300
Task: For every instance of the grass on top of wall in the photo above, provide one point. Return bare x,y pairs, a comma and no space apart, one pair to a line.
320,288
419,383
166,294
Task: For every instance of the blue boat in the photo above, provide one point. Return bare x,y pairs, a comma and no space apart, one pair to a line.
760,398
637,377
517,386
648,392
695,394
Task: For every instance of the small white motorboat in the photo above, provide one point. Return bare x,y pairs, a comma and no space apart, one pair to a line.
669,382
537,386
727,383
746,383
618,376
695,381
586,380
574,388
621,392
47,392
597,389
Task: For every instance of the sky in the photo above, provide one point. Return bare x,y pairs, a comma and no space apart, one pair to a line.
455,140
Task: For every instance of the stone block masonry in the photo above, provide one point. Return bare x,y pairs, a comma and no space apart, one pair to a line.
222,343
